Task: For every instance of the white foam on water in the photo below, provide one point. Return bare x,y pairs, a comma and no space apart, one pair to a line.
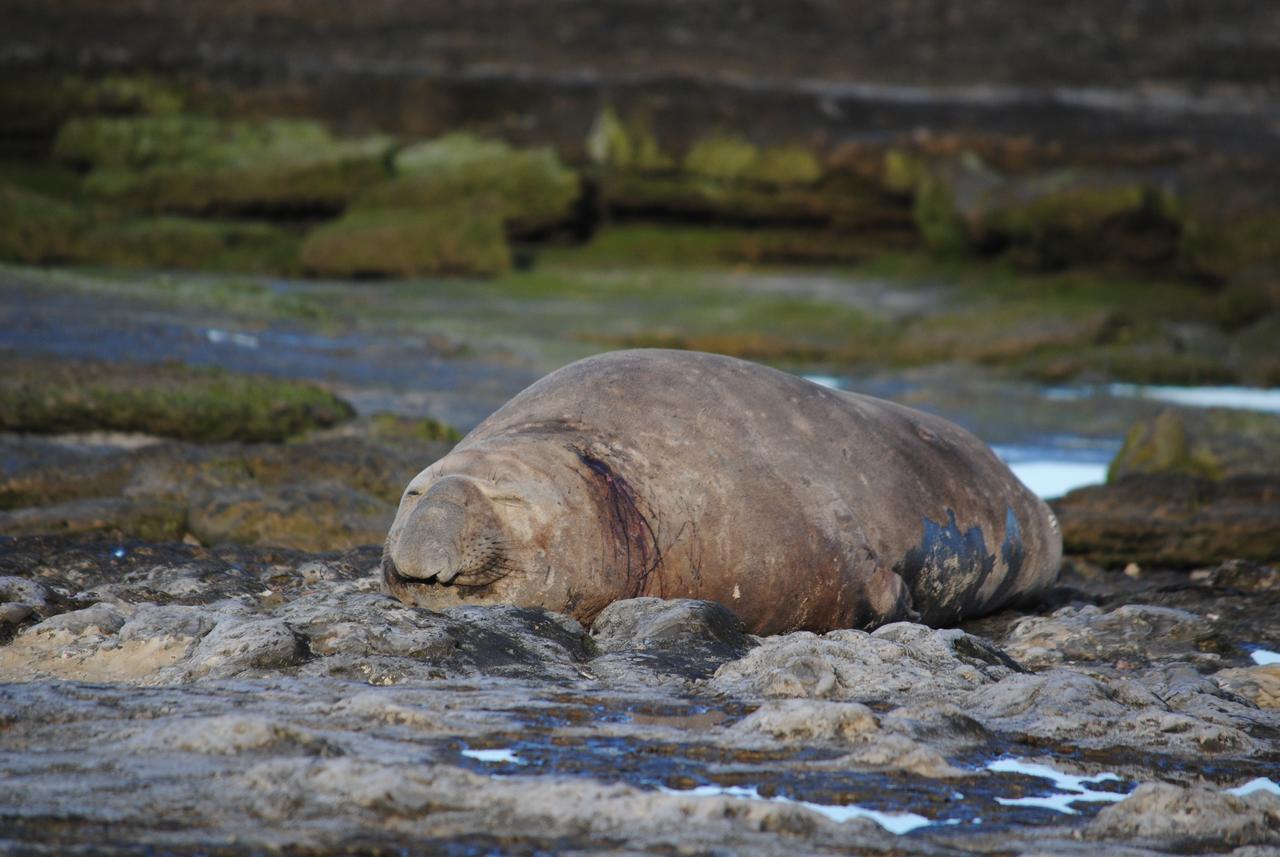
1244,398
1262,657
494,756
894,822
830,381
1073,789
1259,784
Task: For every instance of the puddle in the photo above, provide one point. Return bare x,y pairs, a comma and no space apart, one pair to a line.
894,822
494,757
1260,784
1263,657
1072,789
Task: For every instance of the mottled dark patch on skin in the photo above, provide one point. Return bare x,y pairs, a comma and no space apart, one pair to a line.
635,544
940,544
1013,552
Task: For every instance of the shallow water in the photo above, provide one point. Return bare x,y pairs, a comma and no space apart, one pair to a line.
1054,438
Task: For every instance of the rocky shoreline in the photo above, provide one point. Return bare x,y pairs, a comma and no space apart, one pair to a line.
177,699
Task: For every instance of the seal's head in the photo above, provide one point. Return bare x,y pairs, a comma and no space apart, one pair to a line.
496,525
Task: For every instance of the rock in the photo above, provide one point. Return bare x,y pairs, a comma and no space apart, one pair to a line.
332,492
460,238
1242,575
1132,632
147,518
1166,713
183,243
810,721
202,165
168,399
228,734
680,637
101,619
237,645
898,661
1173,520
447,211
1175,816
1259,684
1067,217
314,515
529,190
1212,443
38,229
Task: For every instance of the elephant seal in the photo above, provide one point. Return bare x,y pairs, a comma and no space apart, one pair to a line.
685,475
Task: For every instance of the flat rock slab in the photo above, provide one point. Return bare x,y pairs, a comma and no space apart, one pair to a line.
168,698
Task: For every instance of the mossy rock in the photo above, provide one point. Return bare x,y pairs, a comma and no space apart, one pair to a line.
1066,218
457,239
1223,246
397,427
945,193
151,519
529,189
184,243
40,229
171,400
614,144
315,515
678,195
735,160
685,246
1214,443
36,105
200,165
35,228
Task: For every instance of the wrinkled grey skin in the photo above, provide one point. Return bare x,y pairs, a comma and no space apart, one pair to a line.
684,475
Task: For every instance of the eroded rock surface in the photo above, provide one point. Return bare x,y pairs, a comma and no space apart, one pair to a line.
181,699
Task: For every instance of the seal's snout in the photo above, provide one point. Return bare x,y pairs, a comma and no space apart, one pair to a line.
451,535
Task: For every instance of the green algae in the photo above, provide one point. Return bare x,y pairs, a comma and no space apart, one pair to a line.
614,144
458,239
397,427
530,189
186,243
202,165
171,400
1212,443
35,228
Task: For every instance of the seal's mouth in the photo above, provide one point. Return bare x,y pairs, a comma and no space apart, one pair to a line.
492,567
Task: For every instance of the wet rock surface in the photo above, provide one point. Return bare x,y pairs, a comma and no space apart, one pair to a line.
327,492
171,698
1173,519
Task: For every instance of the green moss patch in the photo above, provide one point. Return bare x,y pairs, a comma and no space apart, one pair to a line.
529,189
184,243
652,244
35,228
171,400
201,165
39,229
618,145
396,427
404,242
1212,443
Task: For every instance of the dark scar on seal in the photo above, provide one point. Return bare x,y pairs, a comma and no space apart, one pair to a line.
632,534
